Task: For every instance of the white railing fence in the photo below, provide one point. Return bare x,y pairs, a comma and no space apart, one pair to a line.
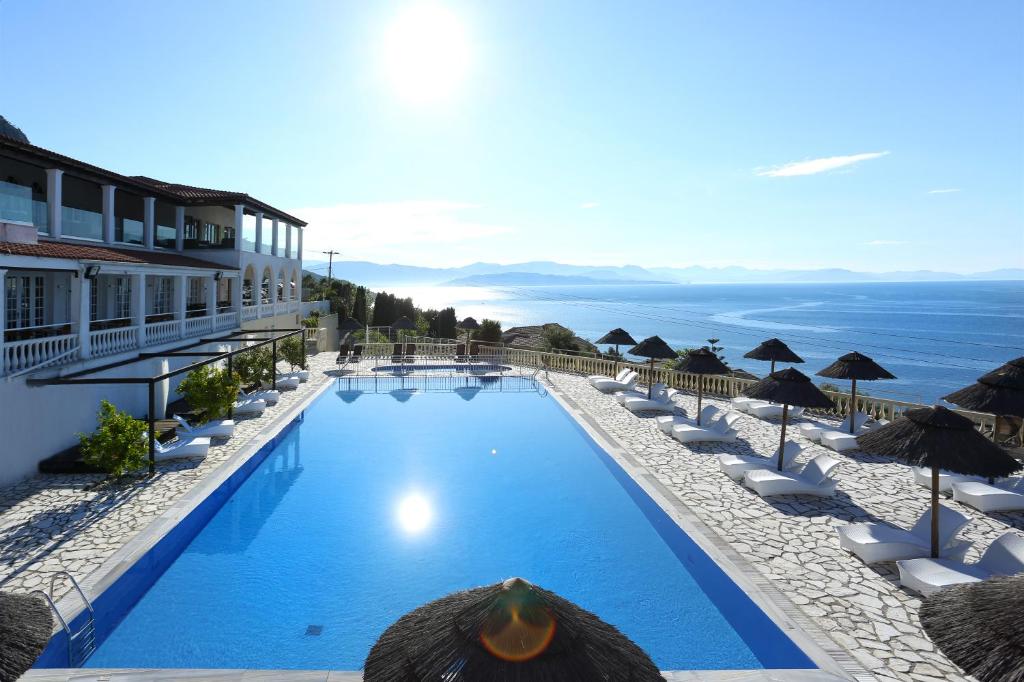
113,341
19,356
162,332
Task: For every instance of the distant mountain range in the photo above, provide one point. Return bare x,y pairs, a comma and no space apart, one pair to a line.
539,273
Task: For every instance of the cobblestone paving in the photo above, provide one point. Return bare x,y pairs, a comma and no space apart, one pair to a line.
50,523
792,541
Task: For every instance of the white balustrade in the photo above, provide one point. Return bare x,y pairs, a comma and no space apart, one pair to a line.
162,332
226,320
33,353
196,326
250,312
112,341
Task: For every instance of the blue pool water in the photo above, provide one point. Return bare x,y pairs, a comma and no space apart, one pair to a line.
389,495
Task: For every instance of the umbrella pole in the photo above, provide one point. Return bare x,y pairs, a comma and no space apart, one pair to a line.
615,366
700,395
782,439
853,402
650,382
935,512
773,367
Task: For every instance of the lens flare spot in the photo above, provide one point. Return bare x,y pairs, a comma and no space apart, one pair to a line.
414,513
494,452
518,631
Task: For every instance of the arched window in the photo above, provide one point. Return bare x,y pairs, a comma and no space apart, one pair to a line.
266,286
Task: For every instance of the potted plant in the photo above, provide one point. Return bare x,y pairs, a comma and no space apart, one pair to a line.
118,446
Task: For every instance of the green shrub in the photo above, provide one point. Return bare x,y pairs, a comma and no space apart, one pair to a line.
560,338
293,351
119,444
489,331
210,391
255,367
313,321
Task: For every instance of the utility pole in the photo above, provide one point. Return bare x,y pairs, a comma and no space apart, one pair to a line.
330,263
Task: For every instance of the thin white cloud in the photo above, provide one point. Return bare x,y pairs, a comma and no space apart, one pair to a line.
589,204
884,242
373,230
815,166
944,191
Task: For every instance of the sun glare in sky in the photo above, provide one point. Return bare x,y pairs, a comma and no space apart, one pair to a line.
425,53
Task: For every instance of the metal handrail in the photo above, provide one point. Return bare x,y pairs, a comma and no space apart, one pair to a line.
48,596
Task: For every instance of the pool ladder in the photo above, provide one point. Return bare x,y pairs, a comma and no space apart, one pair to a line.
82,642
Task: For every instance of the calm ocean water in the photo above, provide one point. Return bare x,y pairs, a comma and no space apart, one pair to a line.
935,337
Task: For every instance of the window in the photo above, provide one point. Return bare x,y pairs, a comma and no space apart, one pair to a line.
25,301
94,300
191,228
195,292
122,297
163,296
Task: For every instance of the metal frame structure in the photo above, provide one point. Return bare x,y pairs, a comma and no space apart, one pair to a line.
80,378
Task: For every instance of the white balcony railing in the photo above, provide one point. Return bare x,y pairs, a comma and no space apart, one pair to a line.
226,320
19,356
162,332
196,326
113,341
250,312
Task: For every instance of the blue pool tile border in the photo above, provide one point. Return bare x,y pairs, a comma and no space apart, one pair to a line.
114,603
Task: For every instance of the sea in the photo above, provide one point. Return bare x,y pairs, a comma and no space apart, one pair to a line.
935,337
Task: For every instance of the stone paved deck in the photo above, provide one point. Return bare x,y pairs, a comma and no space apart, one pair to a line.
792,541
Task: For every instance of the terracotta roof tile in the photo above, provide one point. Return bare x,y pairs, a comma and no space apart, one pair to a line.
103,253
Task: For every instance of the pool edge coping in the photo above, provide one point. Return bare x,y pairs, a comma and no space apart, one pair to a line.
829,656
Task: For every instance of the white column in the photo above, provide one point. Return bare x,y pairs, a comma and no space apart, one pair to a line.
211,297
3,321
239,219
148,221
84,341
180,300
273,237
298,249
54,197
139,307
235,289
108,213
259,232
287,241
179,228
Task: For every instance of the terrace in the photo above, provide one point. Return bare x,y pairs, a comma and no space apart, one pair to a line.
858,616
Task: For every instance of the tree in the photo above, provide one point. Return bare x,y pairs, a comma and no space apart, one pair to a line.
359,307
717,350
557,337
490,331
681,354
293,351
445,324
119,444
255,366
210,391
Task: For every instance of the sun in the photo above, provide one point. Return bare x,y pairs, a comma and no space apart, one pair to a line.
425,53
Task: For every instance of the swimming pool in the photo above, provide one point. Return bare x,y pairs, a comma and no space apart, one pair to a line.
374,505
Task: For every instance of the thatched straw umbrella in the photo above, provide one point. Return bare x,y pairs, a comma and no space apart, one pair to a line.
1000,392
701,362
25,627
654,348
980,627
468,324
941,439
508,632
789,387
616,337
854,366
773,350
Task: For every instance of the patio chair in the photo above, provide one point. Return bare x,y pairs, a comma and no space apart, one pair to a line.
248,407
719,430
666,421
987,498
181,447
269,396
743,404
923,477
1005,556
735,466
601,377
773,411
874,542
813,479
622,396
813,430
627,383
660,402
215,428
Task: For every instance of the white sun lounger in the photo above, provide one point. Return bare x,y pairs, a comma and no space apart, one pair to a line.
743,404
215,428
594,378
874,542
661,402
719,430
1005,556
813,430
622,396
923,477
627,383
302,375
735,466
287,382
249,406
269,396
987,498
810,479
773,411
181,447
666,421
839,441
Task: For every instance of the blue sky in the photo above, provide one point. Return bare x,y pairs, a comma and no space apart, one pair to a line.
593,132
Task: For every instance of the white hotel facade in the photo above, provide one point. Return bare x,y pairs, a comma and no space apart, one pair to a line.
97,267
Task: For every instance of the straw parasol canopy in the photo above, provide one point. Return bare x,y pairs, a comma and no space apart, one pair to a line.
25,627
980,627
939,438
1000,392
855,366
702,361
773,350
616,337
655,349
789,387
508,632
